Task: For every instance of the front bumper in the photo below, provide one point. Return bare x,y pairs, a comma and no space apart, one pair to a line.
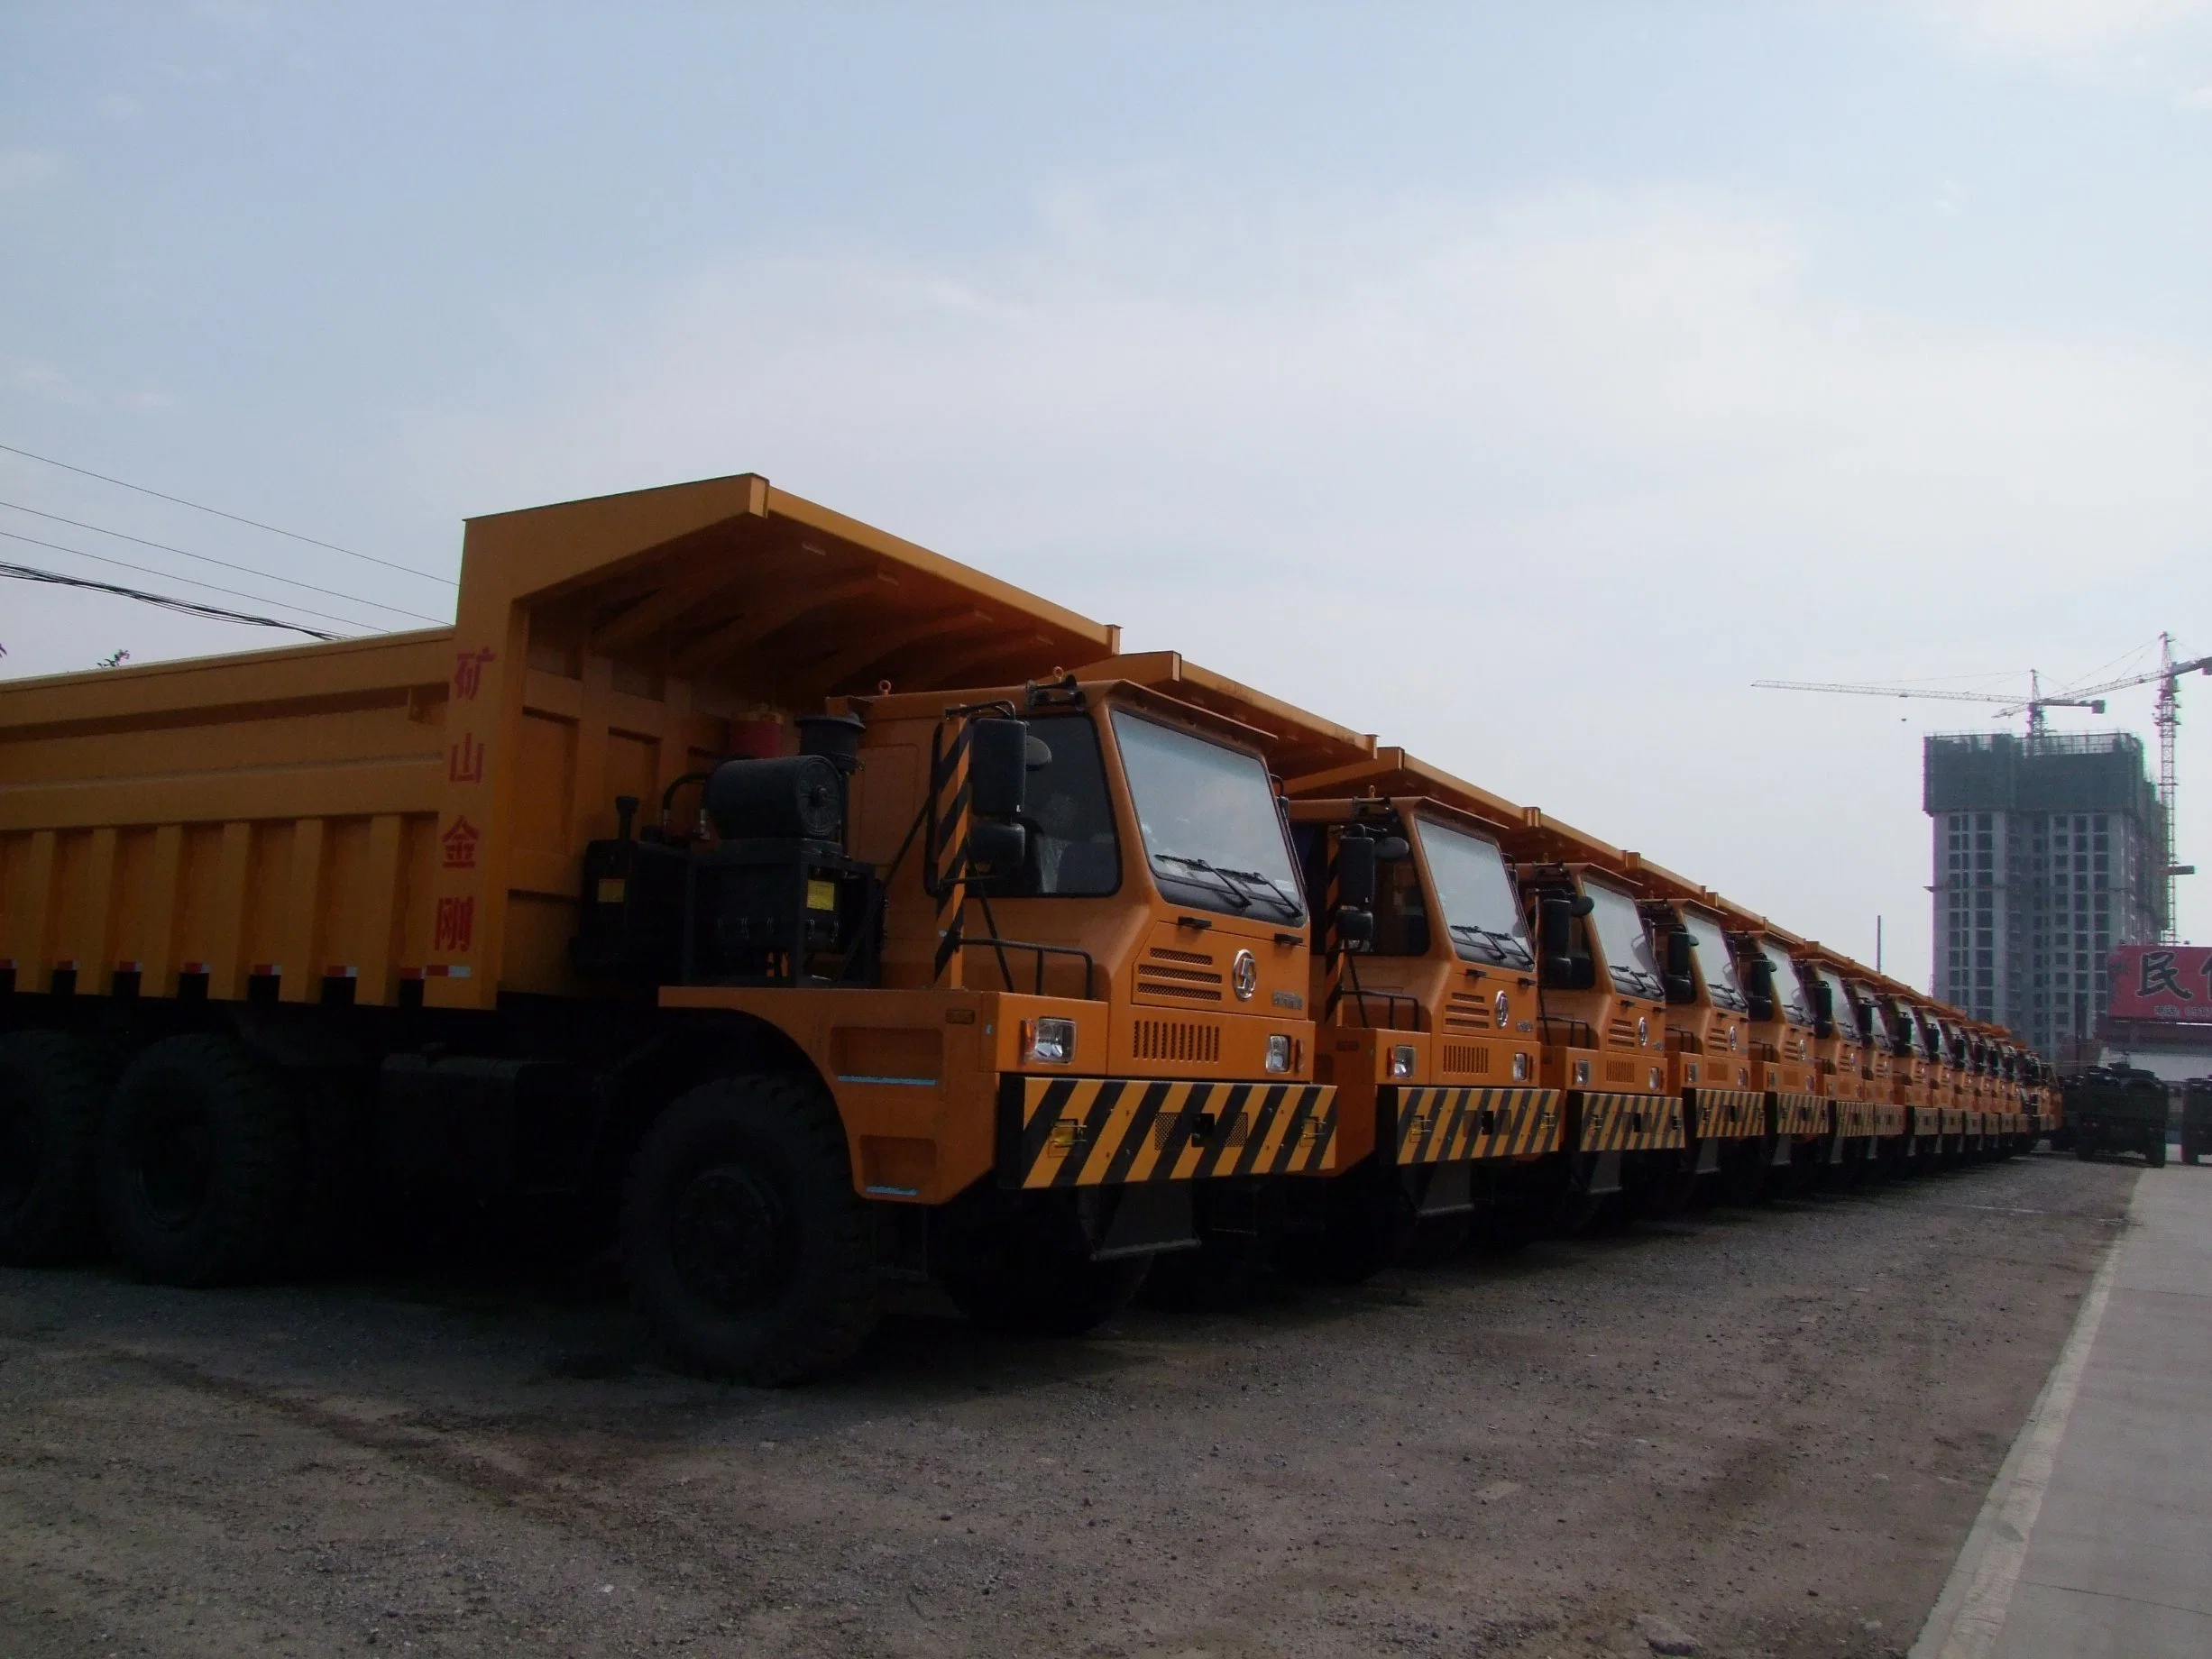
1103,1132
1444,1125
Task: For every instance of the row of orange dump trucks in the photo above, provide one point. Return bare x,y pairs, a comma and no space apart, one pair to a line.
803,911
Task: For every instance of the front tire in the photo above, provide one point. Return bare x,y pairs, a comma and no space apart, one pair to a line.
50,1146
748,1253
199,1163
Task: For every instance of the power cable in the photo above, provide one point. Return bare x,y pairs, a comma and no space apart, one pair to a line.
31,572
146,570
186,552
218,512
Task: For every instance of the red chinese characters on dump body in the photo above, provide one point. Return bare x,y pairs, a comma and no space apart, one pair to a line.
469,674
460,845
2162,982
464,762
456,924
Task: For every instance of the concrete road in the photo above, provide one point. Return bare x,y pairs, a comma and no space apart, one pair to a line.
1767,1431
2096,1542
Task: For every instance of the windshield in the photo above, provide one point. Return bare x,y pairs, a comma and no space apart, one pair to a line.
1789,990
1481,908
1847,1015
1714,961
1628,947
1211,829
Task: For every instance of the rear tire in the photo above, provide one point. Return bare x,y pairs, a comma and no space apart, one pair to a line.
2154,1153
51,1091
2085,1148
199,1163
749,1254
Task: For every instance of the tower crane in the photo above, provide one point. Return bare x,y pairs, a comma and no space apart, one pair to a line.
2033,704
2166,715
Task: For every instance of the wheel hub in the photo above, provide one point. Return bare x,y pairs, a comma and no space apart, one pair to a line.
733,1244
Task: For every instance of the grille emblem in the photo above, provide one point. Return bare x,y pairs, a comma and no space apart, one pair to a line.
1245,975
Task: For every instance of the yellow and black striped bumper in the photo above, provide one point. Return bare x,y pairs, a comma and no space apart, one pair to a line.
1606,1123
1109,1131
1442,1125
1856,1119
1800,1114
1729,1115
1926,1120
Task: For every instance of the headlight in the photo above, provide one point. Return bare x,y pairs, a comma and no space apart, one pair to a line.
1402,1060
1582,1073
1656,1078
1520,1067
1689,1072
1278,1053
1051,1042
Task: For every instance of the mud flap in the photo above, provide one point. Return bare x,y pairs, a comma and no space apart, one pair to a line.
1440,1189
1604,1176
1139,1219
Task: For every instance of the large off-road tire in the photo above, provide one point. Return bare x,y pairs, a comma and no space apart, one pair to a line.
50,1094
749,1254
2085,1147
199,1163
2154,1150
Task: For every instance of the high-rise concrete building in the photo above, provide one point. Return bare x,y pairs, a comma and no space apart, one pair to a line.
2048,853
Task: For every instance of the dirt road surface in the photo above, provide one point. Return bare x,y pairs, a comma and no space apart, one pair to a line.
1770,1429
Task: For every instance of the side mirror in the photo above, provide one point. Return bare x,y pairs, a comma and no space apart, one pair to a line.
1355,872
996,847
1558,971
1354,927
1390,848
1552,925
999,767
1678,946
1681,988
1823,1010
1581,904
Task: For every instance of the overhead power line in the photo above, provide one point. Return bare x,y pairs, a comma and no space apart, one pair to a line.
147,570
31,572
219,513
248,570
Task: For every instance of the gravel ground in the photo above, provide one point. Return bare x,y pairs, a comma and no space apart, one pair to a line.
1768,1430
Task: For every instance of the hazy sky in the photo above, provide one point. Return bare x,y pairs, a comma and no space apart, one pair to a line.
1519,383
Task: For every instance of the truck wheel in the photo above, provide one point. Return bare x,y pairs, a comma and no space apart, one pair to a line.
50,1143
748,1253
2154,1151
1214,1278
199,1163
1367,1225
2085,1148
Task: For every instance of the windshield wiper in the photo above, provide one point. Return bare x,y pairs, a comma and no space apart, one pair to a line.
1228,889
1272,884
1509,949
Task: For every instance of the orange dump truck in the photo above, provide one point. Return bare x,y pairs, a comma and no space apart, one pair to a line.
730,868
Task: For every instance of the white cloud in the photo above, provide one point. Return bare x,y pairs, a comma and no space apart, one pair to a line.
27,170
2061,34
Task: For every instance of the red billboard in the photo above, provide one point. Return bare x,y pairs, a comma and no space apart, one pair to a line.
2162,982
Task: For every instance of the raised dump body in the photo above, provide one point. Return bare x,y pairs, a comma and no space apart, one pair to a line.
729,862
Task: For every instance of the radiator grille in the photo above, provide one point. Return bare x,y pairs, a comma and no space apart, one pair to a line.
1623,1032
1467,1056
1188,975
1620,1071
1465,1011
1176,1040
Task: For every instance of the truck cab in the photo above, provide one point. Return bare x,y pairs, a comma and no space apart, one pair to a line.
1708,1046
1781,1034
1603,1023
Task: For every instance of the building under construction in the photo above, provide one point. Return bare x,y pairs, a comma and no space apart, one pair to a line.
2050,850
